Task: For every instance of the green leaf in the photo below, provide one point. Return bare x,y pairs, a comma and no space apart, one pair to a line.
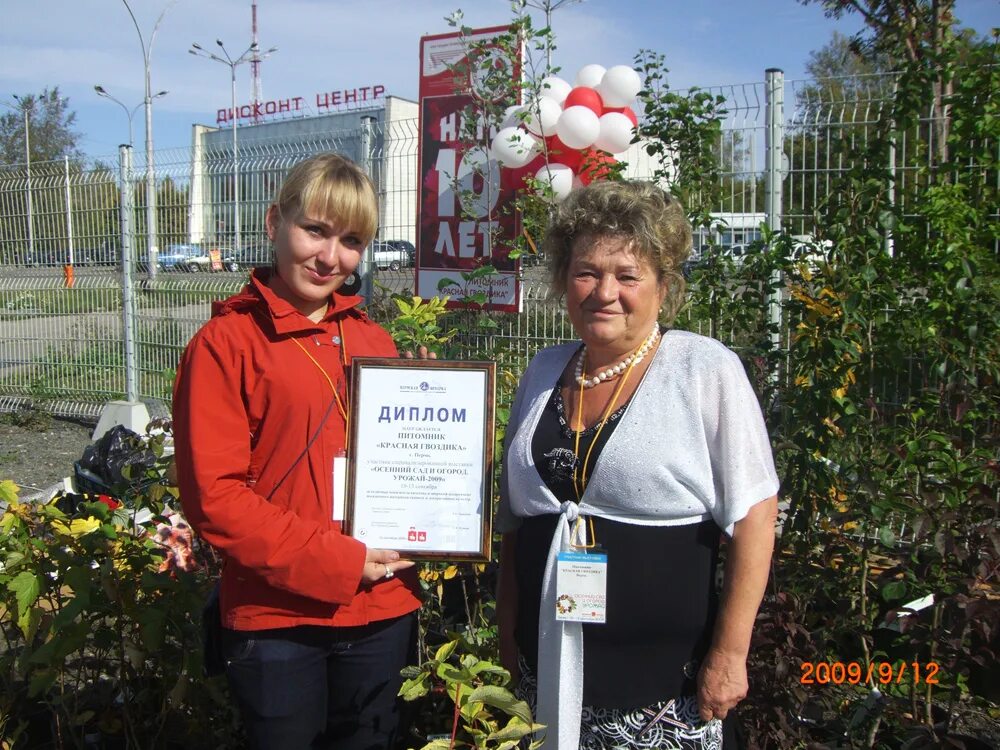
451,673
502,698
515,729
29,621
480,273
8,492
887,220
83,717
486,667
26,587
410,690
41,681
886,536
70,611
894,590
446,650
152,625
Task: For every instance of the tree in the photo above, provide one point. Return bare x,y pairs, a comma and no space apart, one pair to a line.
172,208
918,34
849,84
50,129
839,69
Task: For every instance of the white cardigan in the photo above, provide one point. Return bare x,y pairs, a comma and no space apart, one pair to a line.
691,445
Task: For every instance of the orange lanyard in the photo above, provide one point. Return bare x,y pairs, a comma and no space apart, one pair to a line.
343,356
580,471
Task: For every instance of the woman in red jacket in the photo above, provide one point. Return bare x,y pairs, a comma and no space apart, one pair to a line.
316,626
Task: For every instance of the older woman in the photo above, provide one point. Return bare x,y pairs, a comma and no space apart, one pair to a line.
633,448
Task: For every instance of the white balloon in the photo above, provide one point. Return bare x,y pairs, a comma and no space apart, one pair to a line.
514,147
555,88
559,177
512,117
578,127
590,75
542,116
619,86
615,133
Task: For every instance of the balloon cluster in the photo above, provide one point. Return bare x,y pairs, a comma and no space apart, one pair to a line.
580,127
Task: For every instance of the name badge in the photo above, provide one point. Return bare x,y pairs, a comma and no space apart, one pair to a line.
339,486
581,587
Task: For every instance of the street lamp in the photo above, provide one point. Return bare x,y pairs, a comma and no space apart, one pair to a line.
147,51
25,105
130,113
250,53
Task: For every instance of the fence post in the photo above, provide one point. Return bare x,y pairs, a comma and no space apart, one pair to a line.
69,210
130,413
774,138
128,272
891,187
366,267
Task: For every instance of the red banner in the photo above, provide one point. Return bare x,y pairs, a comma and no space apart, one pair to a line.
466,219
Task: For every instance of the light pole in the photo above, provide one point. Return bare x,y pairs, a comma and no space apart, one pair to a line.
147,51
24,105
250,53
130,113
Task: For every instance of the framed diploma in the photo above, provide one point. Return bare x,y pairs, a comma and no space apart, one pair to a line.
420,476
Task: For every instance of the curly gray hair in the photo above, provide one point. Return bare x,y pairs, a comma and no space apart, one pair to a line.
650,218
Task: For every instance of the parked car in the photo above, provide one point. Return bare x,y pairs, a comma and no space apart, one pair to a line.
203,262
531,260
251,255
179,257
393,254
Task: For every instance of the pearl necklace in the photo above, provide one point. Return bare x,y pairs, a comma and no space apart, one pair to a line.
614,371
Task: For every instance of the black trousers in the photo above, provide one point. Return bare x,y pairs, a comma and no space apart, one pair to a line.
320,687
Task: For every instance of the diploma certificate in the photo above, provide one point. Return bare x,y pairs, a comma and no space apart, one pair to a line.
421,457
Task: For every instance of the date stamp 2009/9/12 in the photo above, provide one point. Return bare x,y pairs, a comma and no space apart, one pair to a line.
881,672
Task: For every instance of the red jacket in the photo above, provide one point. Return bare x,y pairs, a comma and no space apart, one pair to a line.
247,400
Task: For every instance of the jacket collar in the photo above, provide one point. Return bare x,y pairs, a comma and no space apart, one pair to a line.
285,318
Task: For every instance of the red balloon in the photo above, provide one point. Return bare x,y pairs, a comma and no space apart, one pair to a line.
584,96
596,165
560,153
627,111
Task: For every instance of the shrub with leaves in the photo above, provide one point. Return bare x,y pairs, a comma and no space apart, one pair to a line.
485,714
97,642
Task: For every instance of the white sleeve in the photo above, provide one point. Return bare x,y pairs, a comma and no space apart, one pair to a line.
742,464
504,519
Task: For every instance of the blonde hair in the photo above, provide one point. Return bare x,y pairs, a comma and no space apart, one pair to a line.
333,188
651,220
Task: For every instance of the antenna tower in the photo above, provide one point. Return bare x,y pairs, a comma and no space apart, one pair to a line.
255,94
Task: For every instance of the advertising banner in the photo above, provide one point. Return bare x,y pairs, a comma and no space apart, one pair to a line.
465,218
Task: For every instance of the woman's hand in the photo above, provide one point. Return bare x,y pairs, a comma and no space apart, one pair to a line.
722,680
382,564
422,353
722,683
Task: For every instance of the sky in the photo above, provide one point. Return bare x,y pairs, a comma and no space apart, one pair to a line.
329,45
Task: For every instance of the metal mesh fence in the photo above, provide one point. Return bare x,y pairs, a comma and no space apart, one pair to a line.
62,345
